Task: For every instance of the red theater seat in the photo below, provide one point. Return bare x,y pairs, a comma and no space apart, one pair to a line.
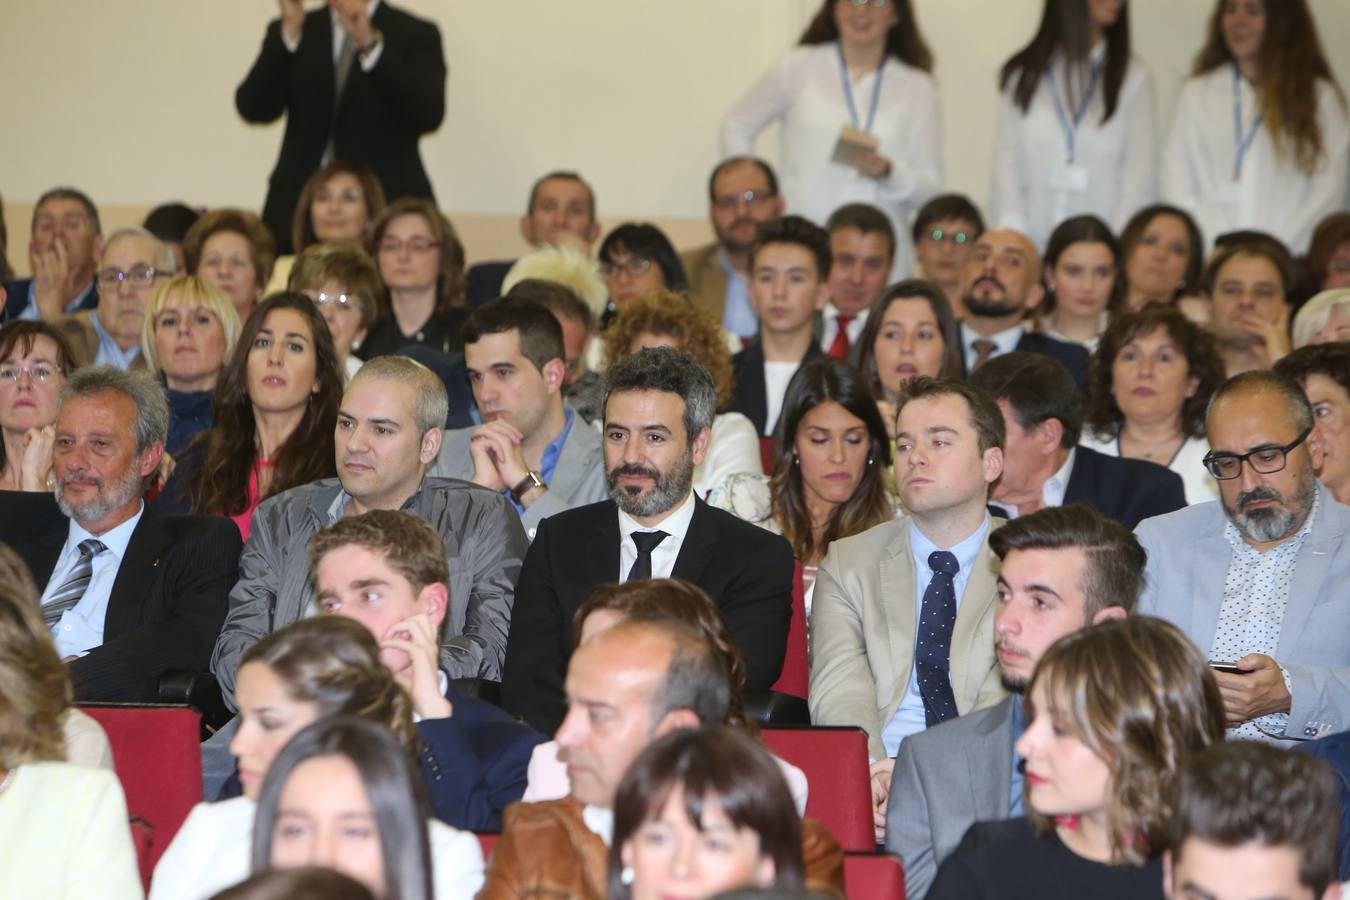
873,876
792,680
840,791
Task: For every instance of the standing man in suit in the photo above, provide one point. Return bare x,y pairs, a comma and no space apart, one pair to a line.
63,252
903,618
129,595
742,193
862,250
1000,285
358,80
1062,569
789,266
532,446
1259,578
659,406
1042,462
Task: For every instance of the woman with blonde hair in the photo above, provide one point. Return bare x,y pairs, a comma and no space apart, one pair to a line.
1111,711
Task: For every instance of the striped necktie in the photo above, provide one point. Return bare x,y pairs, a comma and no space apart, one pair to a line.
69,593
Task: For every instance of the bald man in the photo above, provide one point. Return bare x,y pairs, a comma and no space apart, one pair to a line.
1000,284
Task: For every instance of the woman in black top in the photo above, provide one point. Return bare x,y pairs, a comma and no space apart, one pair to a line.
1110,712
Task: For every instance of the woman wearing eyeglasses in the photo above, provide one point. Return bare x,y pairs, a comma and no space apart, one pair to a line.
637,258
344,283
1075,123
421,262
1260,137
35,359
858,115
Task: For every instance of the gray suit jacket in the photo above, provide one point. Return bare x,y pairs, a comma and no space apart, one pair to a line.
578,479
483,540
1188,560
946,779
863,632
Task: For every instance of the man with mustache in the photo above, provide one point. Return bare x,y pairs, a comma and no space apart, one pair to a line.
1000,286
129,594
742,192
658,413
1259,578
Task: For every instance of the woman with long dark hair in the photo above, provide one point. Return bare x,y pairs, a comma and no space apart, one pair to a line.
1075,124
1260,137
1164,255
1083,284
858,114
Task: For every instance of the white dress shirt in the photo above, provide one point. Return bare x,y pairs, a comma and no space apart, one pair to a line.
1004,342
1271,193
1113,172
829,327
777,377
676,525
805,93
1052,492
339,34
80,628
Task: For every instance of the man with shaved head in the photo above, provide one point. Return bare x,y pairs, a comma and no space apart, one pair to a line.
1258,579
1000,285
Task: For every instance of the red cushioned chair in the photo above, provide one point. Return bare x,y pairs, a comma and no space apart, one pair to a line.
157,755
873,876
792,680
835,763
766,455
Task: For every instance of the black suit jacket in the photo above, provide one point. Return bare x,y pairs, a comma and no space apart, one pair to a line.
483,282
749,394
746,570
168,600
1074,357
378,119
1127,490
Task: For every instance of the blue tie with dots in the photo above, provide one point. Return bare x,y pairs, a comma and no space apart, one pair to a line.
934,648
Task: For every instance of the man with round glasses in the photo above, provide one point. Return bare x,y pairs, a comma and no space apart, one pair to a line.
1259,579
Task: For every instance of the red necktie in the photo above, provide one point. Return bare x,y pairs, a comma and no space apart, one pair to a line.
840,347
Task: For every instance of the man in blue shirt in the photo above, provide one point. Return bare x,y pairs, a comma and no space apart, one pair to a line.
63,252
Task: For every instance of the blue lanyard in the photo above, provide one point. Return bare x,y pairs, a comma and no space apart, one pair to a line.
1070,129
1242,142
848,93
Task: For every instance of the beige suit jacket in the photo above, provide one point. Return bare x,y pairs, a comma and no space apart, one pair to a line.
863,631
707,280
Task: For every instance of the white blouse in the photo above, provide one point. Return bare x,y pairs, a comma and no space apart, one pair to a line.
733,449
1199,485
1271,193
805,93
1113,171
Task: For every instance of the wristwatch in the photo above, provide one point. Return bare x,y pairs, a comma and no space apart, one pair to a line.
527,484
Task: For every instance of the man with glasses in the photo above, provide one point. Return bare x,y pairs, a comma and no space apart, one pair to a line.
62,252
1260,579
110,334
742,192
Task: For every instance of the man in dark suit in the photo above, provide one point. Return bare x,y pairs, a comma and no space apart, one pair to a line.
63,253
1001,284
129,595
658,407
1042,462
355,84
789,266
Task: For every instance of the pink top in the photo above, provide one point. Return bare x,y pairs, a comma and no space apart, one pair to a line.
244,520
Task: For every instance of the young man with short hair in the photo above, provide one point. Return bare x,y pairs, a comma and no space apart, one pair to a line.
862,245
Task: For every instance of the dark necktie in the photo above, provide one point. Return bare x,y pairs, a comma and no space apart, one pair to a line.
983,350
72,589
646,542
840,346
933,650
342,68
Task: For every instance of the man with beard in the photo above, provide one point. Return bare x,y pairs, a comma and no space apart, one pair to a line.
1063,569
742,192
1259,579
1000,286
129,594
658,413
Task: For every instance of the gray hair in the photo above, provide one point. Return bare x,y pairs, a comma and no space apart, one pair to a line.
163,257
1258,381
152,410
431,406
667,369
1314,315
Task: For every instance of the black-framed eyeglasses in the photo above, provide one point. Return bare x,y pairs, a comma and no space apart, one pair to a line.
635,266
728,202
1264,460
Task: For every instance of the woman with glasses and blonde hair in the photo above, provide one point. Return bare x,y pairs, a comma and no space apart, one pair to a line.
1111,711
35,360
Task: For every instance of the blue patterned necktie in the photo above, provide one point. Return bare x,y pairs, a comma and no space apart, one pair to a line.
933,650
72,589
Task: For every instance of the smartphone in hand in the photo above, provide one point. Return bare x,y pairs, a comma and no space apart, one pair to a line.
1229,667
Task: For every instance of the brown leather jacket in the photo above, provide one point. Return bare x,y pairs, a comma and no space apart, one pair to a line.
546,850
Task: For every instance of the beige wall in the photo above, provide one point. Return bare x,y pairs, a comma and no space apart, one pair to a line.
630,92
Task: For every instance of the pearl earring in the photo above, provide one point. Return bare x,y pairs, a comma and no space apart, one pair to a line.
627,875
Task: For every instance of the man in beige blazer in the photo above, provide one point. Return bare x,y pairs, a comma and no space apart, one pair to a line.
865,623
742,192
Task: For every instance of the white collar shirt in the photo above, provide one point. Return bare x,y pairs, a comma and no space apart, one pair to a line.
80,628
663,557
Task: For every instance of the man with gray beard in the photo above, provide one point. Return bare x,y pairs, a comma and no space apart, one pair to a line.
658,413
129,594
1259,578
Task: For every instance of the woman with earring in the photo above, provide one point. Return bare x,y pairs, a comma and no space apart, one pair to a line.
1260,138
1075,123
1083,286
858,115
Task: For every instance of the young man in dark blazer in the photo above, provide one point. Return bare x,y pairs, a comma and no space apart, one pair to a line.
392,73
659,406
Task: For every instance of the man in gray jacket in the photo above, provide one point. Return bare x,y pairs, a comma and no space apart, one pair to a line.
388,432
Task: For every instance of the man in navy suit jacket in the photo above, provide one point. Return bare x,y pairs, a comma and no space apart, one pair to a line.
1042,464
63,252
